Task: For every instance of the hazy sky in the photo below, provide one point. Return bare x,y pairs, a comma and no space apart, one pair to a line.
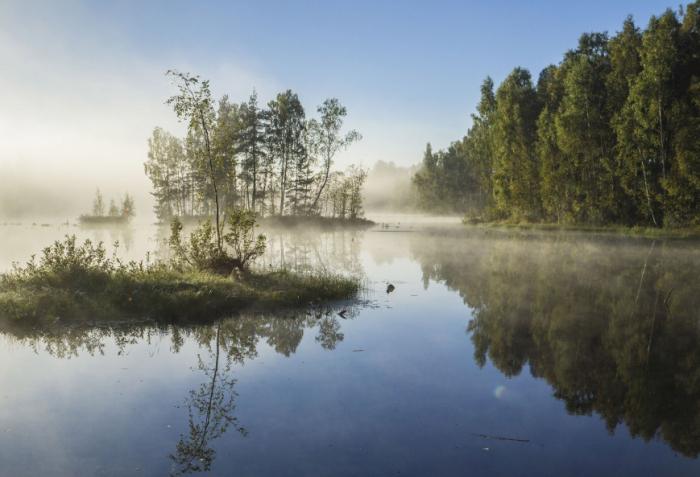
82,84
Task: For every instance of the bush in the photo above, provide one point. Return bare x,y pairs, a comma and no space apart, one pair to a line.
202,252
241,238
83,265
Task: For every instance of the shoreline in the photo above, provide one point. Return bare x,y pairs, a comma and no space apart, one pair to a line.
620,230
164,295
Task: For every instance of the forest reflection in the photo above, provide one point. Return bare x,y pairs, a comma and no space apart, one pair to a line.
221,346
611,324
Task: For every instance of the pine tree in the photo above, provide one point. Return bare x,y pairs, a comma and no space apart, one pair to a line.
251,139
98,205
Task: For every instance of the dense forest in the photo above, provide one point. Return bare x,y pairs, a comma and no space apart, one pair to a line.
610,135
271,160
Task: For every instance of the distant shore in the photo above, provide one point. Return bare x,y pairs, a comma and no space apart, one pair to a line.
292,221
103,219
636,231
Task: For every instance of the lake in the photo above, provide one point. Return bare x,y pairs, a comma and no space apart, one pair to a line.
496,353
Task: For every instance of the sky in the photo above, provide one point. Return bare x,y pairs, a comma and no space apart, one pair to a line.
82,83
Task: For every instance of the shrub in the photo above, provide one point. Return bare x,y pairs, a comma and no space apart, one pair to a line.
201,251
241,237
68,262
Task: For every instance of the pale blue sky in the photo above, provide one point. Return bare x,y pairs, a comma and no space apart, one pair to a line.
83,81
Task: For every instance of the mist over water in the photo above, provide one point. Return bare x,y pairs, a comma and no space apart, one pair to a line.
347,239
495,351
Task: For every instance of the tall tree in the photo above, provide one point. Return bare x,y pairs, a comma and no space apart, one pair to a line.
584,136
194,104
645,134
682,184
225,144
478,148
98,205
251,138
516,169
555,186
625,66
328,140
285,127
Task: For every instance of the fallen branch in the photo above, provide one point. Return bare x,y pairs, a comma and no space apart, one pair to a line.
501,438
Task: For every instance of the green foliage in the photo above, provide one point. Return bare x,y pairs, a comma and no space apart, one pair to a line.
80,282
194,105
241,239
69,262
327,139
515,165
608,136
271,160
201,251
343,196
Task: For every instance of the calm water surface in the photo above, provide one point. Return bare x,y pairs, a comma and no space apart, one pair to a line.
496,354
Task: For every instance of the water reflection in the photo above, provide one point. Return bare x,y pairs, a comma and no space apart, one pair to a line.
612,326
210,413
110,234
301,250
221,347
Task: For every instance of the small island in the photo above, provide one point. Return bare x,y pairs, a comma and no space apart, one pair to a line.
238,164
273,160
114,216
208,276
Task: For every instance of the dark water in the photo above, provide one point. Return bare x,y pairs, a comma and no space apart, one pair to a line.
496,354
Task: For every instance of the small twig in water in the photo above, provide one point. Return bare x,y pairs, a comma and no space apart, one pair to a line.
501,438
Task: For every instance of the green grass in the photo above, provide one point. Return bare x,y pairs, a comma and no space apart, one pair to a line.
158,293
637,231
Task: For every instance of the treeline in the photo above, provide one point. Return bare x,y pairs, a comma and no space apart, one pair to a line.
126,209
611,135
271,160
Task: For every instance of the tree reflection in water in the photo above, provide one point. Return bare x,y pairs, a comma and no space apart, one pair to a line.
611,324
210,406
210,411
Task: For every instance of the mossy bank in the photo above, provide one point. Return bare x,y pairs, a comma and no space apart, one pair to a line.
162,295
